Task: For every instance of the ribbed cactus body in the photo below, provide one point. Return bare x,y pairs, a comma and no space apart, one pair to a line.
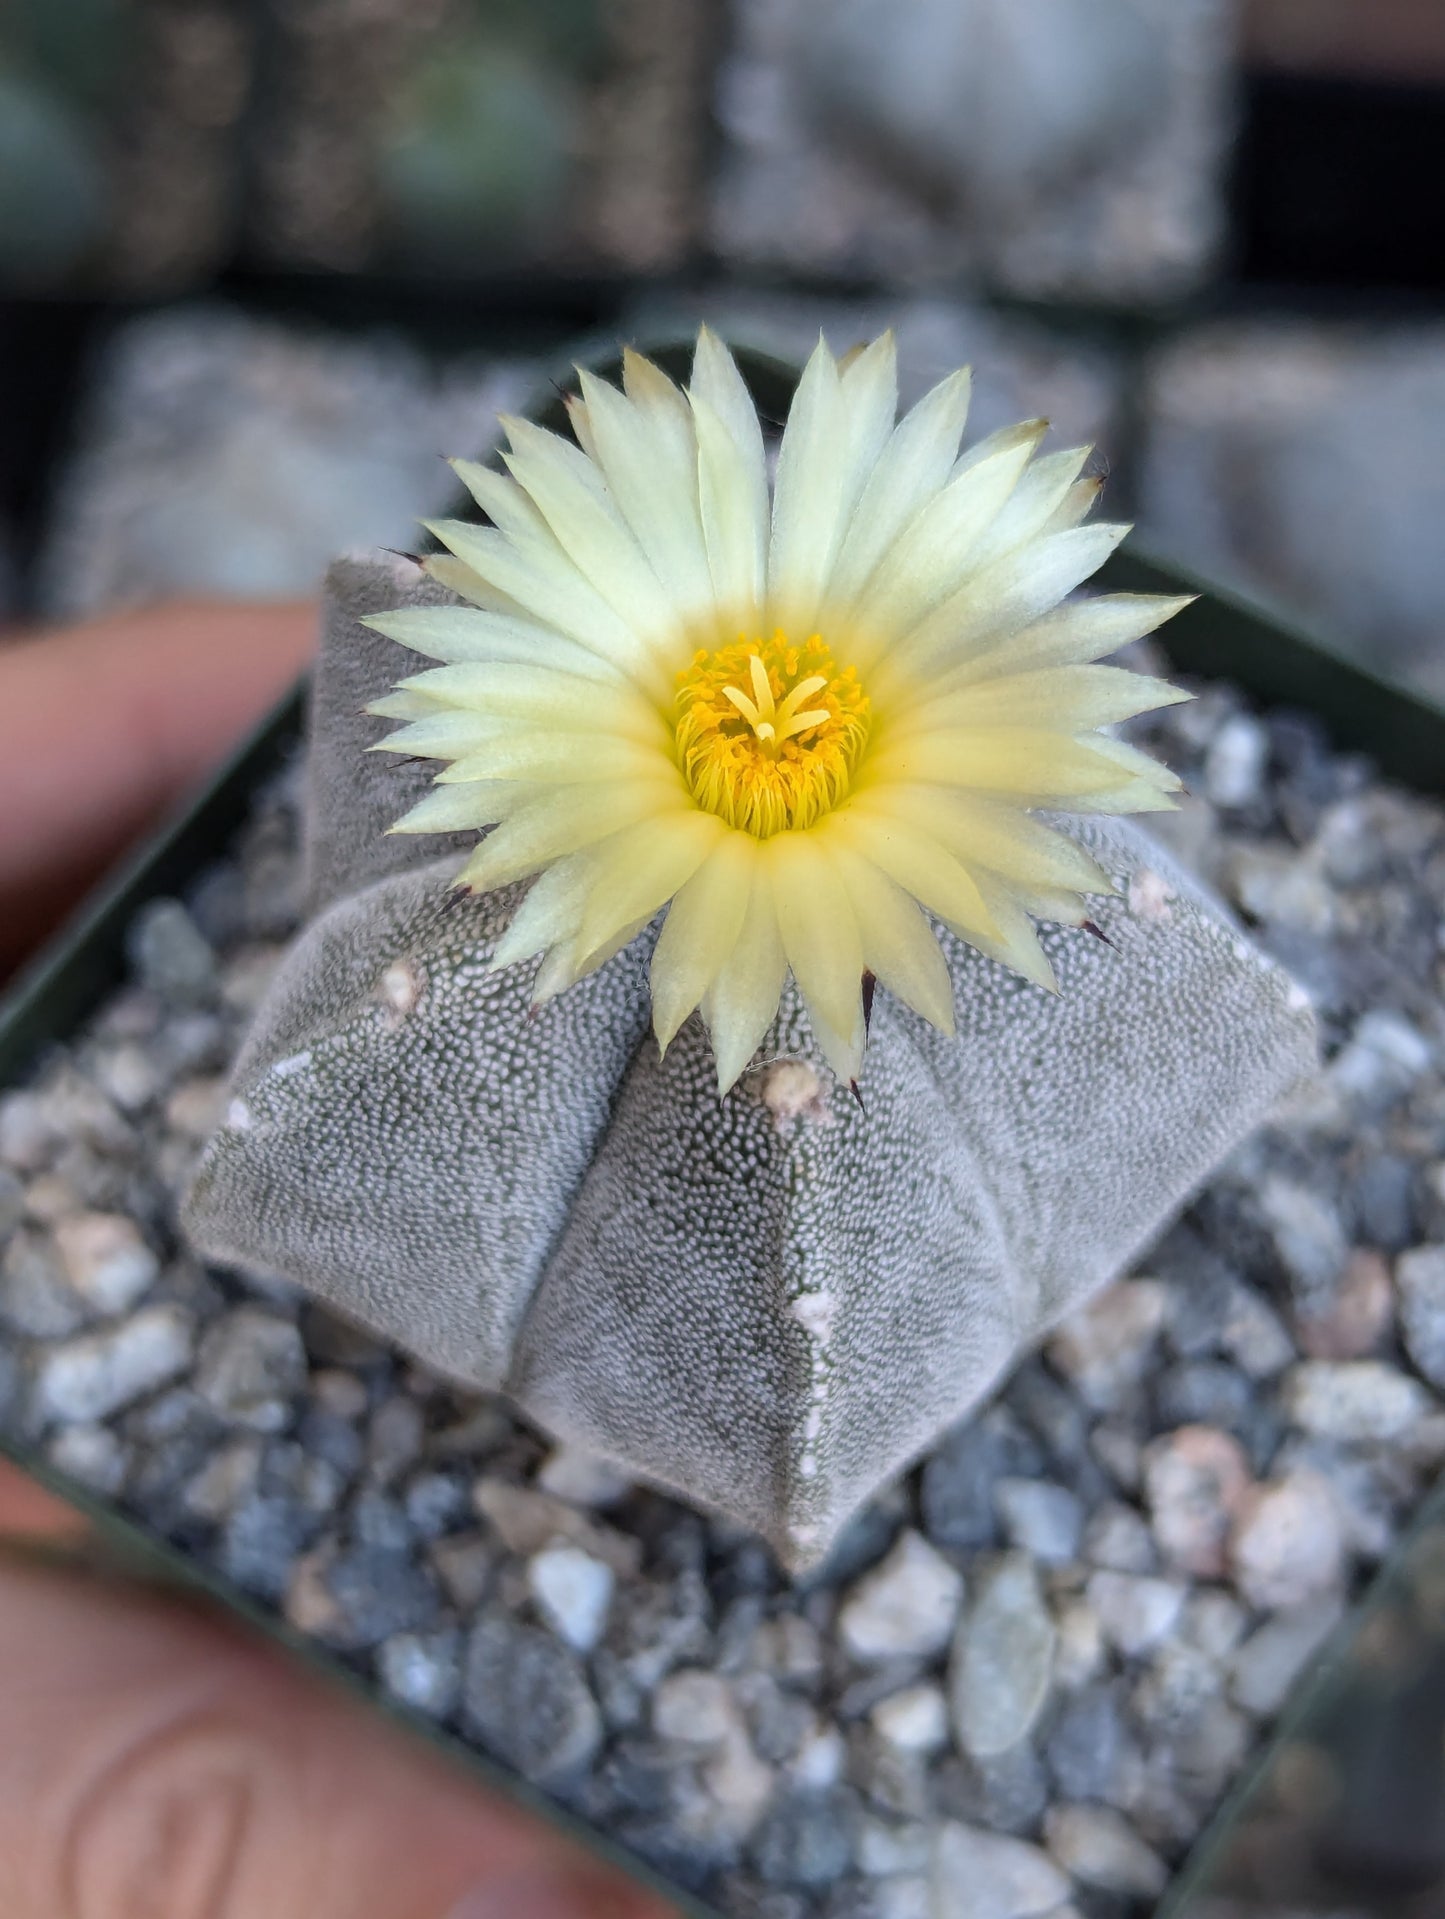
768,1303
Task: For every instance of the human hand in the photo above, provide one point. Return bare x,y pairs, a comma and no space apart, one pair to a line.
156,1761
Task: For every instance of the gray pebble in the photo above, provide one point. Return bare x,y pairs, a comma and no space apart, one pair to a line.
261,1540
1042,1519
1086,1745
1118,1538
94,1375
250,1367
956,1491
378,1592
1002,1659
806,1841
1267,1665
1095,1844
1383,1196
423,1670
1008,1792
12,1201
394,1439
36,1299
524,1695
170,956
1420,1283
433,1503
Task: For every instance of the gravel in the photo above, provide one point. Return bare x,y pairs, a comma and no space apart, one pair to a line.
1035,1665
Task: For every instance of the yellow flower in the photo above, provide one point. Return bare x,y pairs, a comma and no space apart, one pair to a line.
799,724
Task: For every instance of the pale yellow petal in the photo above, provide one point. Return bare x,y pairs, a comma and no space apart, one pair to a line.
742,1001
1017,943
648,456
555,758
564,820
564,967
1038,767
502,500
837,427
456,634
919,865
572,498
928,562
899,948
1071,635
700,931
542,696
449,809
911,469
994,604
821,939
1039,495
550,914
402,706
545,583
1071,699
733,501
638,872
993,834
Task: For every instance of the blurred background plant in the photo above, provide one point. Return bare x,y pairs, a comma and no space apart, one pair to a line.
264,259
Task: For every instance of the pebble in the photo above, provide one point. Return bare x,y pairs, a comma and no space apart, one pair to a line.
464,1564
1135,1613
582,1479
527,1521
1002,1659
261,1540
525,1696
913,1720
988,1875
1308,1236
1381,1061
1420,1280
1194,1481
394,1439
1384,1203
573,1592
93,1455
1080,1653
225,1479
423,1670
36,1299
1266,1666
1355,1321
885,1848
807,1841
250,1367
1254,1335
1235,763
694,1708
1085,1746
1007,1792
1041,1518
1105,1348
171,957
1287,1546
106,1260
28,1136
1118,1538
194,1109
1095,1845
12,1202
92,1376
956,1491
1353,1400
905,1607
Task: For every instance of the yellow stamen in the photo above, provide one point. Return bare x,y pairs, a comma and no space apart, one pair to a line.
781,754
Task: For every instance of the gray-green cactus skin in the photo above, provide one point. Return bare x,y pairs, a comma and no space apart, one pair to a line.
769,1303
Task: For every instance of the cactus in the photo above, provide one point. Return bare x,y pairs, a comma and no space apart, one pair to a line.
806,718
768,1302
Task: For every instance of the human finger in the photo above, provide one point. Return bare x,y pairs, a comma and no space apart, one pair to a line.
158,1761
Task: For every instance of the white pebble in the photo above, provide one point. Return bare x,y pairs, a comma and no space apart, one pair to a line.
1134,1613
1353,1400
976,1872
914,1720
1288,1545
694,1708
905,1607
573,1592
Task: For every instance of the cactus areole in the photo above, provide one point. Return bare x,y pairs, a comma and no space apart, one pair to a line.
577,1085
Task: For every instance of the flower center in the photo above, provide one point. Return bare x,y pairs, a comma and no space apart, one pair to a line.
769,733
